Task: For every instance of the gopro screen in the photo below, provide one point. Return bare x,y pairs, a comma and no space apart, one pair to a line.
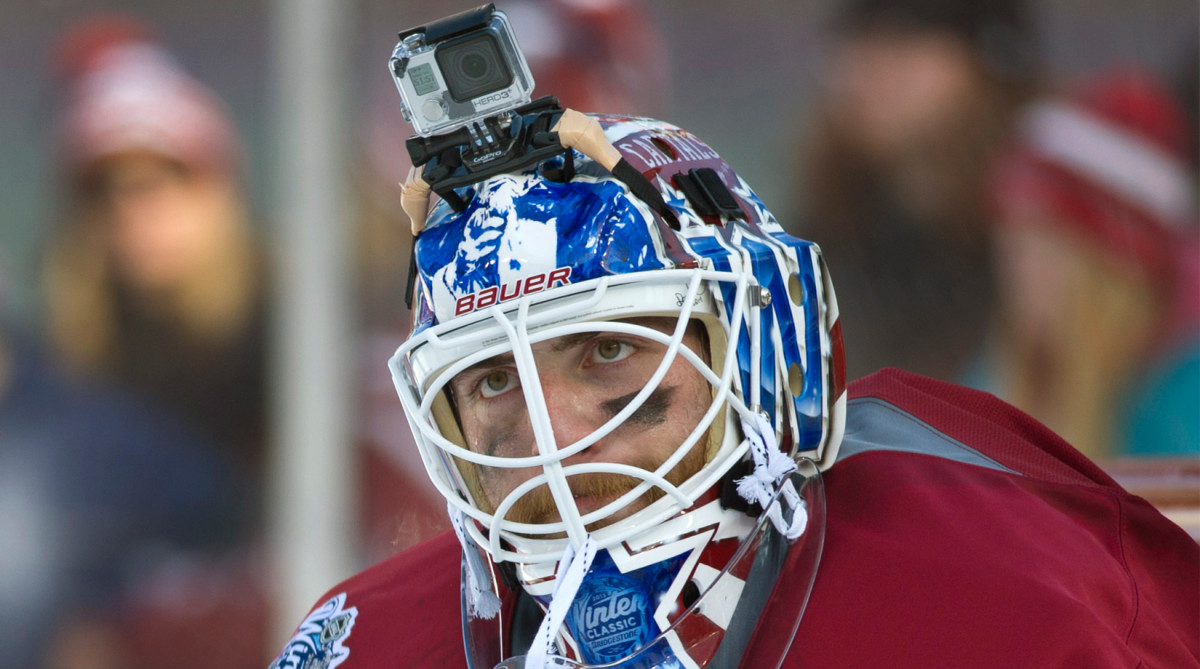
422,79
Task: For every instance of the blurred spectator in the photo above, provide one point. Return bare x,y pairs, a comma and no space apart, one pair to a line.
595,56
155,286
1098,252
919,94
94,488
153,277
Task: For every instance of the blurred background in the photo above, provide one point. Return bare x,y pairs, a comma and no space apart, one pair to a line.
203,260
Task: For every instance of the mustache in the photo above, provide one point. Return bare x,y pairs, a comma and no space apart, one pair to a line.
537,506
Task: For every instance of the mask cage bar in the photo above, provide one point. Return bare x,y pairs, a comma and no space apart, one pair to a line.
809,483
554,475
461,335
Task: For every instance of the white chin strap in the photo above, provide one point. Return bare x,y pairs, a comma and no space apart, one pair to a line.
483,602
770,467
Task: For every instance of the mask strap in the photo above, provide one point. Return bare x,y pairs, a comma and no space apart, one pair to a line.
482,601
571,570
771,467
584,133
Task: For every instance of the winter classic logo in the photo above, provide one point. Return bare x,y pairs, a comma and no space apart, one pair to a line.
613,616
318,641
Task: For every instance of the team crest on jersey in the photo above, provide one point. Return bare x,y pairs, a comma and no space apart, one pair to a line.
319,641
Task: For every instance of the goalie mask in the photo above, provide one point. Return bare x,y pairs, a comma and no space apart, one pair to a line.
626,402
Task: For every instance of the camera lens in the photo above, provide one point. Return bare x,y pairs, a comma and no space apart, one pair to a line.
472,66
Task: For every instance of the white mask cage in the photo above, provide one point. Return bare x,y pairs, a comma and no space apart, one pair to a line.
424,365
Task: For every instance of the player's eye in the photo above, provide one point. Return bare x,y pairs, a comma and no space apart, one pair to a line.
497,382
611,350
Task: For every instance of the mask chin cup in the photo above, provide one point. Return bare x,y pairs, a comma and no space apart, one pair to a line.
714,629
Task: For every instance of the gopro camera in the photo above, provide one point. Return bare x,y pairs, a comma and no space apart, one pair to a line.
460,69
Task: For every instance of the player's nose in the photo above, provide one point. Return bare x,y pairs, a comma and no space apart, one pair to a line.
572,407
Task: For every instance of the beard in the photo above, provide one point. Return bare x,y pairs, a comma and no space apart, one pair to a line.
538,506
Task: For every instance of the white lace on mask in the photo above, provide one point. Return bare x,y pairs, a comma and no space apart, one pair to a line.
770,467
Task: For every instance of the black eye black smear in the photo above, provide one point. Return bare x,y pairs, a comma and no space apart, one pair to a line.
652,412
497,439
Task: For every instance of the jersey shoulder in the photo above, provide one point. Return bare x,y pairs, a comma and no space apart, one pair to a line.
401,612
897,411
961,532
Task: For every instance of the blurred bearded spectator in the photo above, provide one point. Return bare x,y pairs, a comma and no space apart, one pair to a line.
153,276
1098,265
919,94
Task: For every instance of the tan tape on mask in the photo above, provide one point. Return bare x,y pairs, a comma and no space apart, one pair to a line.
583,133
414,200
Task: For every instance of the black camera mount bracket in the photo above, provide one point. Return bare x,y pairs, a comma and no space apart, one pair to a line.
508,142
502,143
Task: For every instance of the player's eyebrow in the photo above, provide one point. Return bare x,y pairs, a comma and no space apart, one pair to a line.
565,342
494,361
557,345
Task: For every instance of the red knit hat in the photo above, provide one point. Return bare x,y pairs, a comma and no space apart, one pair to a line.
123,92
1110,162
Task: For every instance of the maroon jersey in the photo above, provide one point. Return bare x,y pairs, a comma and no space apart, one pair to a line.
959,532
